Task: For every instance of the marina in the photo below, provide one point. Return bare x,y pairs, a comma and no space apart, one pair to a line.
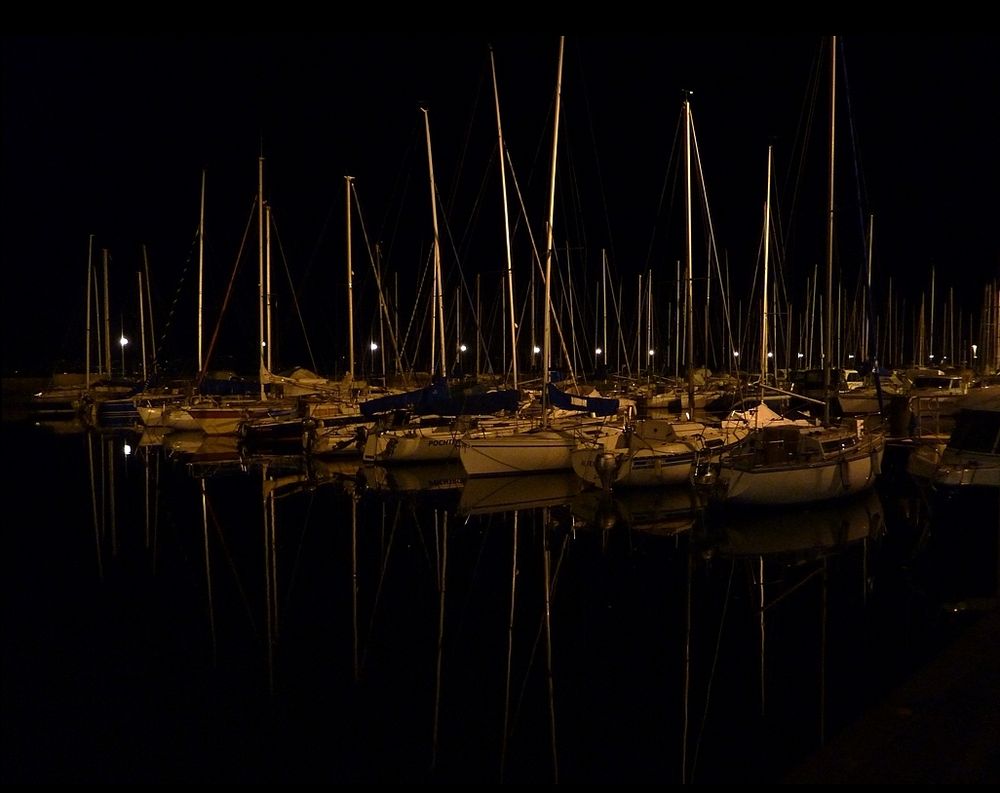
574,443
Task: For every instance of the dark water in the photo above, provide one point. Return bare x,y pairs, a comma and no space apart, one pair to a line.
366,634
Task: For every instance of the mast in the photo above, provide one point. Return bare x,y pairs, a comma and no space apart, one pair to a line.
260,268
506,224
828,310
437,310
604,307
547,326
350,282
767,238
149,303
269,345
689,253
142,327
107,318
90,268
201,268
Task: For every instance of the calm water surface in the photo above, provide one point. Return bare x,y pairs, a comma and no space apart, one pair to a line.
198,616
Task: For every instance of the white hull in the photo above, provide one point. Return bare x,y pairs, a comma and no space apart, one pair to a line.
497,451
520,453
412,445
802,484
800,465
670,464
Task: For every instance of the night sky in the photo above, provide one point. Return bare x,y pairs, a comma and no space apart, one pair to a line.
108,136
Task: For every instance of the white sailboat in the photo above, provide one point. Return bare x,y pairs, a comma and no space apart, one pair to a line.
652,451
490,450
794,461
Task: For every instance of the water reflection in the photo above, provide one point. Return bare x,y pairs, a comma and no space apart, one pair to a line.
329,622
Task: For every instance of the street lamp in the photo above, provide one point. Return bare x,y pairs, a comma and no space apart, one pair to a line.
123,341
374,346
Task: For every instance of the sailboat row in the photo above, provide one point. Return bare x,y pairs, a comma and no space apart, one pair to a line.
613,438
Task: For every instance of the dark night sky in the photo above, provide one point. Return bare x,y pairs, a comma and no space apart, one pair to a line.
108,135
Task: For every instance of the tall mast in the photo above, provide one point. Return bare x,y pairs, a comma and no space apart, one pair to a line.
107,318
604,306
767,239
689,255
828,311
149,303
201,268
437,311
547,325
350,280
267,288
506,223
90,268
142,327
260,268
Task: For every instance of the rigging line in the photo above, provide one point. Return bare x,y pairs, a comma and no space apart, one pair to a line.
291,286
381,581
711,676
400,183
232,566
710,232
470,302
673,162
593,139
383,302
463,151
803,134
229,291
177,292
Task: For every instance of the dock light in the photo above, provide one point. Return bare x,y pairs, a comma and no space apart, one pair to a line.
374,346
598,351
462,347
536,349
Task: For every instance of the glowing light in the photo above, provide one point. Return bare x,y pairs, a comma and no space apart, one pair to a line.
462,347
536,349
127,449
123,341
651,352
374,346
598,351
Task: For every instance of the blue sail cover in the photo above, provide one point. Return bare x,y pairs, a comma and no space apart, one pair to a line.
599,406
437,399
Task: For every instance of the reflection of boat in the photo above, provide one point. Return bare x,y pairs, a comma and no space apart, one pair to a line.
416,478
810,531
666,510
483,495
199,448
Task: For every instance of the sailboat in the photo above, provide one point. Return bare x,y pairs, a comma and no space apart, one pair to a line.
435,417
653,451
796,461
491,449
